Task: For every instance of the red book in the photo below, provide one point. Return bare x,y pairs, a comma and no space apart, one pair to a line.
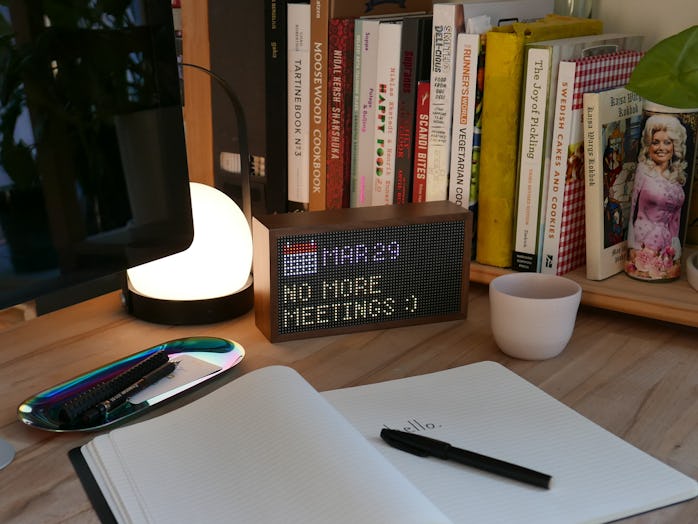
421,143
339,111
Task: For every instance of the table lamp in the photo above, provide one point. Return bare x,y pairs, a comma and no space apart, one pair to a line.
211,281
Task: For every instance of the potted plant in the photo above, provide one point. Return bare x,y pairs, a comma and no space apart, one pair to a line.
668,73
21,197
75,77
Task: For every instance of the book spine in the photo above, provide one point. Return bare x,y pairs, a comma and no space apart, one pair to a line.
530,162
572,244
347,121
500,114
412,33
364,110
477,140
463,127
421,143
385,128
611,119
593,184
298,105
561,132
276,156
341,51
447,23
355,113
319,23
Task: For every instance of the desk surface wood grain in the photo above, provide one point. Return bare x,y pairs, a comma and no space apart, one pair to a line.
637,378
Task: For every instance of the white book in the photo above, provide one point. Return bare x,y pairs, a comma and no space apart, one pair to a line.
463,126
363,110
385,126
447,23
612,122
298,102
537,65
562,130
266,447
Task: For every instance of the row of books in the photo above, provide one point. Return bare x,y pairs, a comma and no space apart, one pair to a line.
578,155
360,133
348,78
550,228
457,104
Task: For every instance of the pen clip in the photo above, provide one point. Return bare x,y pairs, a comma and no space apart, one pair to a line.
398,443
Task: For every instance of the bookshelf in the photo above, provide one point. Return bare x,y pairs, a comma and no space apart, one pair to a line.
197,91
674,302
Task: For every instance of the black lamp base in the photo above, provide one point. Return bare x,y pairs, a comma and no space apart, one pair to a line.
188,312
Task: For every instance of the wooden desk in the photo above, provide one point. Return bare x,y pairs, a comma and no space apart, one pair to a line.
635,377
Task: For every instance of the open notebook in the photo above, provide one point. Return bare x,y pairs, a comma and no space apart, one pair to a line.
267,448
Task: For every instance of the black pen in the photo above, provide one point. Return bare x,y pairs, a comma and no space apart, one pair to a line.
425,446
73,408
99,411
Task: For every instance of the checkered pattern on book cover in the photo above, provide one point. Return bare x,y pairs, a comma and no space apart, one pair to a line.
592,74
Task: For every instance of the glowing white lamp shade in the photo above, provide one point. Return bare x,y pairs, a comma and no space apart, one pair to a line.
213,271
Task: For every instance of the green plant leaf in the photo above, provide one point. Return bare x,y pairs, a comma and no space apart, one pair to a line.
668,72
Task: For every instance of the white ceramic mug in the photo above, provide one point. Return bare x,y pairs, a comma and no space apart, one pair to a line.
532,315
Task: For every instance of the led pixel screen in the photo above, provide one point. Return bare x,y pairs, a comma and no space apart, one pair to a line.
340,279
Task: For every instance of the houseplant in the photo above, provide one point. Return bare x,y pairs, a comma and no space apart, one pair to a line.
668,73
68,78
21,197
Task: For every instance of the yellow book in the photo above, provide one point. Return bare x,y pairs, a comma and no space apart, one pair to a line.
500,127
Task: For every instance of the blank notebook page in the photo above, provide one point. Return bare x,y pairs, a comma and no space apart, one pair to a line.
263,448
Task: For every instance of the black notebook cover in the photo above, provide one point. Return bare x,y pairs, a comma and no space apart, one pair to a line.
89,484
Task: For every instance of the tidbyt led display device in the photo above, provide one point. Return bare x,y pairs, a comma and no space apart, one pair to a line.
347,270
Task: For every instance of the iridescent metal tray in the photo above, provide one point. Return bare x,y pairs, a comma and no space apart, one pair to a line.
203,358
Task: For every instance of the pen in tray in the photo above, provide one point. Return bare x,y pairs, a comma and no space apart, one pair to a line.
101,410
72,408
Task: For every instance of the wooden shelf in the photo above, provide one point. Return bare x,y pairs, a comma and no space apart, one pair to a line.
675,302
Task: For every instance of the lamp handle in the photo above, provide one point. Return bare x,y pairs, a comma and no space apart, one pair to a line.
242,132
